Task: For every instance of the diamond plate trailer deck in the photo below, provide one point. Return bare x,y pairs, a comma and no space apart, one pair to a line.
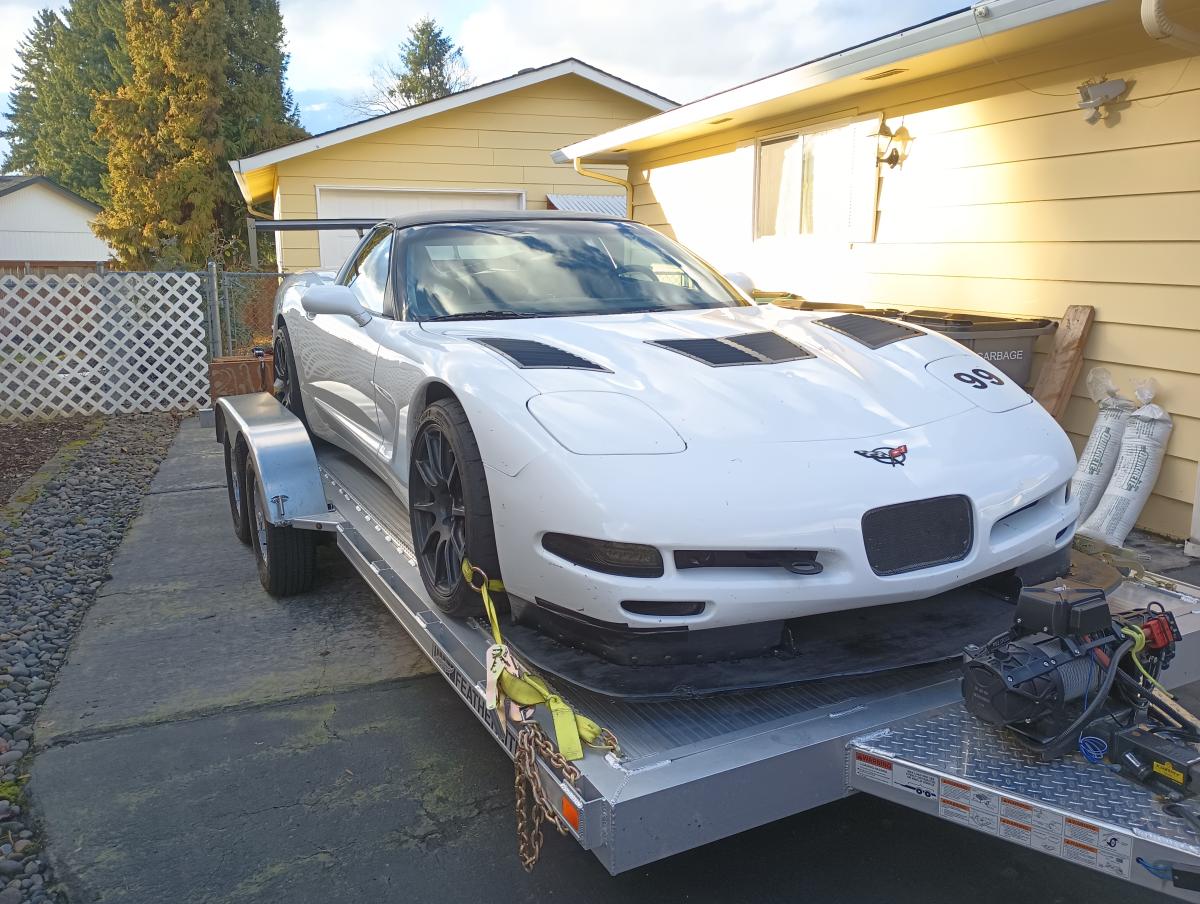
694,771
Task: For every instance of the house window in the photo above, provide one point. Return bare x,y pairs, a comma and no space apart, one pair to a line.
818,183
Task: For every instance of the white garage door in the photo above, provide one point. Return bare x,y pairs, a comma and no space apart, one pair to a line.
379,204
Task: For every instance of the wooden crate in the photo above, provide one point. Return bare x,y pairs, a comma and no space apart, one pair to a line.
240,374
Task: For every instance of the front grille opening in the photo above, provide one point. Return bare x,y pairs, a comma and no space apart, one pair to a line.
797,561
921,534
662,608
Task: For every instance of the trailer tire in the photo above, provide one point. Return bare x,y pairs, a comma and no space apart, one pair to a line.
450,510
287,376
235,484
286,556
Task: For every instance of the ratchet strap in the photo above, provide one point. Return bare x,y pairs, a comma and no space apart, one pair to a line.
511,691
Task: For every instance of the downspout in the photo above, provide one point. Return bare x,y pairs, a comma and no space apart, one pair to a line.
624,183
1161,28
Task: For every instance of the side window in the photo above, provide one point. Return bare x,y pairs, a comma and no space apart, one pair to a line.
368,276
822,184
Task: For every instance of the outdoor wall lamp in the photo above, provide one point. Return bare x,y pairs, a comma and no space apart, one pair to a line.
893,146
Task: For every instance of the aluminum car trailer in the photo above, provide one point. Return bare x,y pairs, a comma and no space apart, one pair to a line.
693,771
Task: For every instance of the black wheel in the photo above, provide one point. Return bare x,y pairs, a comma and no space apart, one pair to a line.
287,377
450,510
235,483
286,556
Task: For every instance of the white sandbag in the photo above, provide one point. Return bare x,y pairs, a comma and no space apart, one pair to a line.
1143,445
1099,457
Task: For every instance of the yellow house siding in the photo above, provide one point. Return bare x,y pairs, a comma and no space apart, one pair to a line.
502,143
1008,203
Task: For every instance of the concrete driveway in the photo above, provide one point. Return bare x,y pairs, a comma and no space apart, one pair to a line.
206,742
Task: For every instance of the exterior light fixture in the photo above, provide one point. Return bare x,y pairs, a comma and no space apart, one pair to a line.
893,146
1094,98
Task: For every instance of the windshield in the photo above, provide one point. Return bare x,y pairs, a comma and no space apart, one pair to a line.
549,268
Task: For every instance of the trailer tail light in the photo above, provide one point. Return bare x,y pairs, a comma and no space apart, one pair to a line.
570,813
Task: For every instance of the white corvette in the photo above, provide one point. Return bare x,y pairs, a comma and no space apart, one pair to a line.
593,415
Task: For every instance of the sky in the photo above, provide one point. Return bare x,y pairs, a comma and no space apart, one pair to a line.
682,49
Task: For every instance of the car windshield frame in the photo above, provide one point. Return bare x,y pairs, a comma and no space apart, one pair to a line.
422,258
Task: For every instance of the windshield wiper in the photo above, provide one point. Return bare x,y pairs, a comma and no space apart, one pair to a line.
484,315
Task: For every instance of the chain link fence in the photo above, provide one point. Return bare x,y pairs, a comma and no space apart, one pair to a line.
242,304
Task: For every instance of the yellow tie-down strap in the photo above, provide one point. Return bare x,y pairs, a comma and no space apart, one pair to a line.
505,680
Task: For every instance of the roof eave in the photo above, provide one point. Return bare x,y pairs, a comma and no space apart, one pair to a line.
53,186
949,31
570,66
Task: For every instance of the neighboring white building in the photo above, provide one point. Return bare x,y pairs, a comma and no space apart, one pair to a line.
46,228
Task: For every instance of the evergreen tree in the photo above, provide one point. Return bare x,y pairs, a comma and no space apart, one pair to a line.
137,104
163,135
430,66
207,84
257,109
33,73
88,58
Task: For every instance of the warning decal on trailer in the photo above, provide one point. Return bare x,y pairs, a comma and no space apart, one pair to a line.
873,767
1011,818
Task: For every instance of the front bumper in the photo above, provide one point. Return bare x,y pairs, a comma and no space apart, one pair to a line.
1014,468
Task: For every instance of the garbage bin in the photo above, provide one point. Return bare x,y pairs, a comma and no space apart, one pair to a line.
1005,341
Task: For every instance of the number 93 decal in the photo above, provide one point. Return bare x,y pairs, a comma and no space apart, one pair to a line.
980,385
978,378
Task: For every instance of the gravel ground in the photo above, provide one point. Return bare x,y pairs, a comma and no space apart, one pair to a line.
25,446
54,560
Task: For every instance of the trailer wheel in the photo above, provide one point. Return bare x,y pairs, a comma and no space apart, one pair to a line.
286,556
235,483
449,509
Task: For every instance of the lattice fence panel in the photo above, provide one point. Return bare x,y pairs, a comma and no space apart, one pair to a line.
102,343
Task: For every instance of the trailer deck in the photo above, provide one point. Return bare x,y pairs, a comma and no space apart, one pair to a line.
693,771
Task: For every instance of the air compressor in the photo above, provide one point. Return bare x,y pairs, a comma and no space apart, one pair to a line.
1069,675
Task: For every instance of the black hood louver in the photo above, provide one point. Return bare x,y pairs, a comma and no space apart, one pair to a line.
532,355
727,351
873,332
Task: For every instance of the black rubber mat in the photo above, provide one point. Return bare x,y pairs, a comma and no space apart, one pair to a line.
856,642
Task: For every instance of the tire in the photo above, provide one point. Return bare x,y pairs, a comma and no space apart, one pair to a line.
287,376
235,484
286,556
450,510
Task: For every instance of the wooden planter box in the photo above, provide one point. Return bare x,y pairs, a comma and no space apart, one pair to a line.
240,374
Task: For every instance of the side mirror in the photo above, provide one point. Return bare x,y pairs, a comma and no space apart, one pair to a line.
335,299
742,283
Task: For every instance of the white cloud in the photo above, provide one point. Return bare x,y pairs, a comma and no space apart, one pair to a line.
16,18
335,47
683,49
315,108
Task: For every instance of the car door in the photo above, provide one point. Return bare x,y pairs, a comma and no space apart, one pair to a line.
345,352
400,367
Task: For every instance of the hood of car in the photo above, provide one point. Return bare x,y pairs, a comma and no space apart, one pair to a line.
754,374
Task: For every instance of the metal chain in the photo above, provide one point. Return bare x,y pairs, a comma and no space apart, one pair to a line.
533,807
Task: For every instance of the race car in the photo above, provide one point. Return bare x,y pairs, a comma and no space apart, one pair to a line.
592,415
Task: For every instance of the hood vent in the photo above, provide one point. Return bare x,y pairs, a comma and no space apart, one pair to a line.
528,354
873,332
749,348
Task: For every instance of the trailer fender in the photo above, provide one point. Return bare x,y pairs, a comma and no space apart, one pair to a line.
282,451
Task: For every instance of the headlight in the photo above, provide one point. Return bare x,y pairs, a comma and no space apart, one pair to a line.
589,422
631,560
